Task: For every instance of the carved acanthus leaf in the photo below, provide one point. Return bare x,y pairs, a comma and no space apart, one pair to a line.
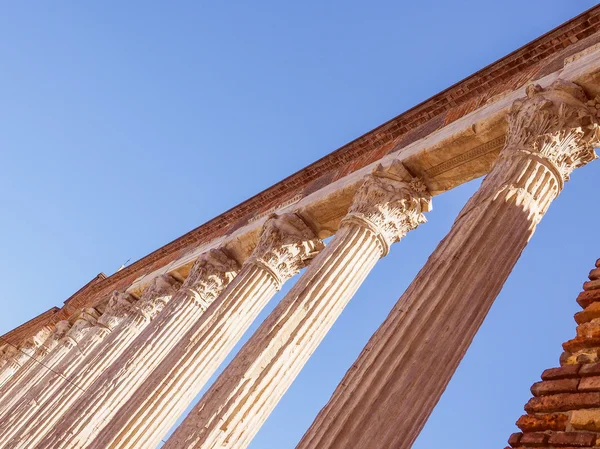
156,295
389,205
30,346
86,319
556,123
285,246
119,305
211,273
60,329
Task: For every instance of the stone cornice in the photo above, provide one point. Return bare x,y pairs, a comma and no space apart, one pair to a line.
448,139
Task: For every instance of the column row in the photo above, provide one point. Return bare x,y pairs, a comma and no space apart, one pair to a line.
121,380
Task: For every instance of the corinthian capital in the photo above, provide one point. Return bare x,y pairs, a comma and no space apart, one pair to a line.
35,341
156,295
389,205
285,246
59,331
86,319
556,123
119,305
211,273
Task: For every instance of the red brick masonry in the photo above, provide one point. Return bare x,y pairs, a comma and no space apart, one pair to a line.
564,411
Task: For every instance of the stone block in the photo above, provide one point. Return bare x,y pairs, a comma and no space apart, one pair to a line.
563,402
514,439
586,420
591,285
561,373
547,387
540,423
572,439
535,439
590,329
579,343
590,384
590,313
592,369
584,299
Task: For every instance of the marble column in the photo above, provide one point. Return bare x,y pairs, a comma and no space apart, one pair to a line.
7,352
388,204
14,416
24,356
84,335
155,297
285,246
49,354
211,273
387,395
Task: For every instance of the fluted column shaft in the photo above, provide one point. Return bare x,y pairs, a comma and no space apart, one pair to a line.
42,400
23,359
84,334
56,347
155,297
238,403
211,273
387,395
286,244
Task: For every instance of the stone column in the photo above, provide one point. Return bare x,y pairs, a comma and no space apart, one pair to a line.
23,356
211,273
41,399
385,208
80,337
285,246
153,300
387,395
53,349
7,352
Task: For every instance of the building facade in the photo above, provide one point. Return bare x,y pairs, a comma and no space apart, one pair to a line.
121,360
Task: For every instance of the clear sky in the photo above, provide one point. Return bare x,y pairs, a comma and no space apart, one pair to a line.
123,126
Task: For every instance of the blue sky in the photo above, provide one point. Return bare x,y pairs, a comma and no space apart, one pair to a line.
124,126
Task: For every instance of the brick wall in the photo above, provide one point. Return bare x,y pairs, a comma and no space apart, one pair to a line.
564,411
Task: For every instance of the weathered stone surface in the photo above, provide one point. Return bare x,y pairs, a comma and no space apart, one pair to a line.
574,439
554,386
550,133
443,137
562,164
586,420
513,440
592,369
590,329
540,423
591,285
211,273
55,348
82,337
387,206
533,439
579,343
127,318
586,298
285,247
591,312
563,402
590,384
561,373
